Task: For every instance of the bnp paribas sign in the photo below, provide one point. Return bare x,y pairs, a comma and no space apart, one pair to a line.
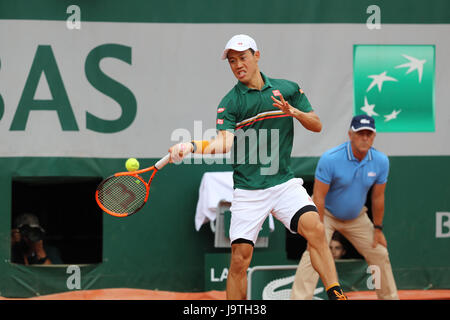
395,85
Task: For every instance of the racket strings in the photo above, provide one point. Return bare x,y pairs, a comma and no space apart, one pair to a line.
122,194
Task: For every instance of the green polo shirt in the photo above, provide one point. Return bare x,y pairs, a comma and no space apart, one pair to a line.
264,135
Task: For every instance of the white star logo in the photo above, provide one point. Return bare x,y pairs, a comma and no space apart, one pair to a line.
413,64
378,80
392,116
368,108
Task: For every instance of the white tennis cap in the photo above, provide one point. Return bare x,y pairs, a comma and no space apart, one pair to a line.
239,42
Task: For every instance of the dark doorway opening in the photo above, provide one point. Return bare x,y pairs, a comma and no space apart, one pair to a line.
68,214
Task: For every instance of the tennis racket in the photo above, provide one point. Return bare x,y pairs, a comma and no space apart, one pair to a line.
125,193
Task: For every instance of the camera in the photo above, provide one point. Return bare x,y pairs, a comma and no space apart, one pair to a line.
34,234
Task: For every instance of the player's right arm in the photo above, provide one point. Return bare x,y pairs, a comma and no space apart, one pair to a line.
320,190
222,143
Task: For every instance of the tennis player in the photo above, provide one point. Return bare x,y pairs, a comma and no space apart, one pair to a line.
255,122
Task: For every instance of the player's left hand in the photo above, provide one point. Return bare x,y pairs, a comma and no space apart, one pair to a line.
379,238
283,105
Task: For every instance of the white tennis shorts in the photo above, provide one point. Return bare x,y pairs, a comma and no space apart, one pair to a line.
250,208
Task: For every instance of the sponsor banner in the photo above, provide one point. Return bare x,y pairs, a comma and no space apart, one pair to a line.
274,282
269,279
112,90
395,85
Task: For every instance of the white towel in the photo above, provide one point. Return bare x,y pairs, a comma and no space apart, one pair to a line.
214,187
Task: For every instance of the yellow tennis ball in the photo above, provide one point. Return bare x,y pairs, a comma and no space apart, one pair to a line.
132,164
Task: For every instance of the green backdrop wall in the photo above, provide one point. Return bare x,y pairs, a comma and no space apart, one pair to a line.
152,68
158,248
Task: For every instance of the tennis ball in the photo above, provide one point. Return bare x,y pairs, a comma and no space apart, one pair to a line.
132,164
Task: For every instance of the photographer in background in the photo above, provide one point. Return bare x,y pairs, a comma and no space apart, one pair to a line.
27,241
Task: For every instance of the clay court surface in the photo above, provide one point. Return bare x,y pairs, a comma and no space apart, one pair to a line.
141,294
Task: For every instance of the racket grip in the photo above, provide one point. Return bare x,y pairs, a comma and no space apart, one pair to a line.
161,163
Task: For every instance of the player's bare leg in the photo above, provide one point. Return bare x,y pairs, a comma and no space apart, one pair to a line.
312,229
241,255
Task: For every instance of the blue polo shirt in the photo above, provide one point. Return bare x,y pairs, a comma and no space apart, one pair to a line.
350,179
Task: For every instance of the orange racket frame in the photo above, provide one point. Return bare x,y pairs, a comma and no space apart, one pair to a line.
136,174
